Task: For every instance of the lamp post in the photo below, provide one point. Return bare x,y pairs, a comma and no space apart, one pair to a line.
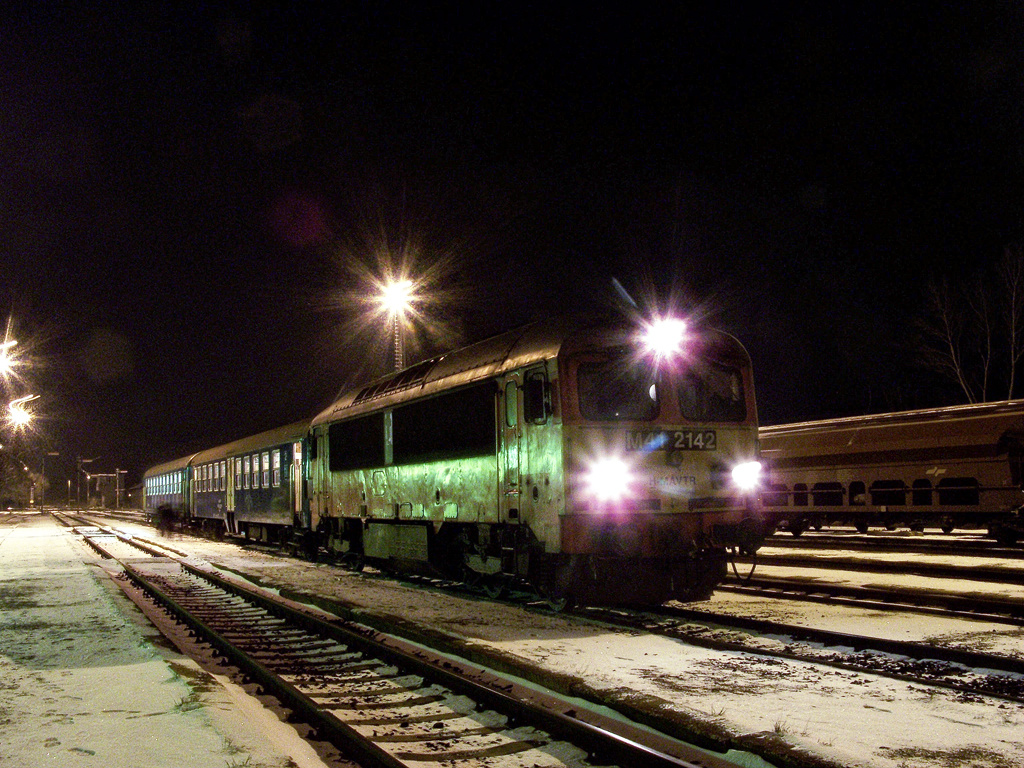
42,490
78,480
396,298
16,412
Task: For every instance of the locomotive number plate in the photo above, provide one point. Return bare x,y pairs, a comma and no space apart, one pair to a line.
673,440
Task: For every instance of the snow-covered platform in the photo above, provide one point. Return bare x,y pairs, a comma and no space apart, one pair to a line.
83,675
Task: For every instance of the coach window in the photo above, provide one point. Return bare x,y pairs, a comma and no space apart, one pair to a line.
238,474
245,472
800,497
959,491
266,469
922,494
255,466
275,465
858,493
775,495
888,493
827,494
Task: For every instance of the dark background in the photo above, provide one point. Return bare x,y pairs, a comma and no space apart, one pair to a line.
192,200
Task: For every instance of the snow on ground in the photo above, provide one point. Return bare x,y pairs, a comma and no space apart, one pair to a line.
849,718
987,637
82,683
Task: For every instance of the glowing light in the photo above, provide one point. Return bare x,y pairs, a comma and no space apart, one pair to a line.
747,475
7,362
664,337
396,297
16,412
609,479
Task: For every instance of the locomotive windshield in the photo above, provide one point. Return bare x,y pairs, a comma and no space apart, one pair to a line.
712,392
609,391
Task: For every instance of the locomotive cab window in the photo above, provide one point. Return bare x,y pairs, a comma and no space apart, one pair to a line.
712,392
613,391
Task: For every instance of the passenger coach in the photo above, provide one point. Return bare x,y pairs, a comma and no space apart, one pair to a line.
580,457
254,486
166,490
948,467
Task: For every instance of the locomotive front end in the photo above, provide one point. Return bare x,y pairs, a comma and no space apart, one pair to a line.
662,465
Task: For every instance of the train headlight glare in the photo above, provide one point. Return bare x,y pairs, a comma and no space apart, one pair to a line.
747,475
664,338
609,479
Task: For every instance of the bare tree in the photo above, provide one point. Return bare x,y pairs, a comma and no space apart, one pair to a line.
947,334
1010,273
972,333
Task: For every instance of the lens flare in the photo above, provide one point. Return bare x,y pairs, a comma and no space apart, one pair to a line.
664,337
747,475
609,479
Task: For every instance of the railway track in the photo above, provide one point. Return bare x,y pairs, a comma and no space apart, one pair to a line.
896,544
991,575
380,700
967,672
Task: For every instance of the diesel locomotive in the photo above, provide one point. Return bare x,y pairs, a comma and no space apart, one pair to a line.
596,462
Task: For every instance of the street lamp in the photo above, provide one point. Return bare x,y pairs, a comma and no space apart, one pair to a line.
16,412
6,361
78,480
396,299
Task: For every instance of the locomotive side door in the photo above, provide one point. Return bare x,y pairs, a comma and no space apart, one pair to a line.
318,506
510,421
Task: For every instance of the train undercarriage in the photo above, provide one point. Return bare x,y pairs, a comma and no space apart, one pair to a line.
498,557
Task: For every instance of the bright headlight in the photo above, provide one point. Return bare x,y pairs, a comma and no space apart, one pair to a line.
664,337
608,479
747,475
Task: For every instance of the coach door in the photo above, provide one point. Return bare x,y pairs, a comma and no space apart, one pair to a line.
300,509
229,494
510,418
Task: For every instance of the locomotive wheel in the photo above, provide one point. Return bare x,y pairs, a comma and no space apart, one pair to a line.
353,561
495,587
559,604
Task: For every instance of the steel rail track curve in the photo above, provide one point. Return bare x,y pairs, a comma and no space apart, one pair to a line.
347,681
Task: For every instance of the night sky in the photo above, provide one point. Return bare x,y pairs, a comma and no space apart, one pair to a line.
192,199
